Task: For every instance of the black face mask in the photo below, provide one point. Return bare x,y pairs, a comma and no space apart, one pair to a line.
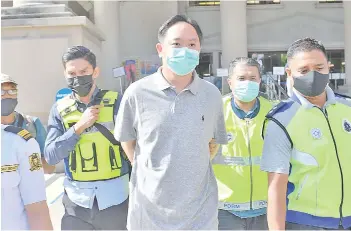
81,85
312,84
8,106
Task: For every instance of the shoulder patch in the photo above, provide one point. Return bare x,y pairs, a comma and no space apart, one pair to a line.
280,107
34,162
19,131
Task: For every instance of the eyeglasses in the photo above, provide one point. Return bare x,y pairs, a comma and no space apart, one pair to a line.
10,92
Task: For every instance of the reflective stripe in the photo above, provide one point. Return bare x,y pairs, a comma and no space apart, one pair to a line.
304,158
242,206
235,160
93,129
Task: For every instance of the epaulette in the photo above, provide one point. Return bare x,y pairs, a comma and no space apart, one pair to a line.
343,96
19,131
280,107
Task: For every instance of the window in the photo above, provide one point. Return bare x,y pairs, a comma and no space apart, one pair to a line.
337,68
205,65
330,1
216,3
254,2
337,59
204,3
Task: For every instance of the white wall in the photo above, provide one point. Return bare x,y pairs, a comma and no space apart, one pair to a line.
275,27
209,19
36,65
32,56
139,24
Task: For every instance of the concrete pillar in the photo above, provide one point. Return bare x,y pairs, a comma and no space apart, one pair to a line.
106,16
234,30
347,23
233,33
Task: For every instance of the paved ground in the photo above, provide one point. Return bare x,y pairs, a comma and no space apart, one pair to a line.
54,192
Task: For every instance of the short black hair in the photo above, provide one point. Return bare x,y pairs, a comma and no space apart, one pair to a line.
174,20
305,45
243,60
79,52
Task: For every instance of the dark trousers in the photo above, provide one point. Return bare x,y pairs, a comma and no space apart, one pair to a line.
79,218
228,221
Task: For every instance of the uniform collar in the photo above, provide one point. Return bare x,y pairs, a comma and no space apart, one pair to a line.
163,84
306,104
241,114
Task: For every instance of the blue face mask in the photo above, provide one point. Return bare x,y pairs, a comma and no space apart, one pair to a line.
246,91
183,61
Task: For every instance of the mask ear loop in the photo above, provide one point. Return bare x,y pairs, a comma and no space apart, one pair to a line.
289,88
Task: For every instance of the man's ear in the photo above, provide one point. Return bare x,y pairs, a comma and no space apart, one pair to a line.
159,49
96,72
229,81
288,72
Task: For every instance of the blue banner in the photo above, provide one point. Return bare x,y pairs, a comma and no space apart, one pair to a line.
62,93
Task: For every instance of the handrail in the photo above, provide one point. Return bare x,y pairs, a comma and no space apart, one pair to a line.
277,85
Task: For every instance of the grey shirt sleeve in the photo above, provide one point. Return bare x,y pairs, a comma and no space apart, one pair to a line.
276,150
220,133
125,128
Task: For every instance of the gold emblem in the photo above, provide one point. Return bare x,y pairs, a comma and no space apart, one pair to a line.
34,162
9,168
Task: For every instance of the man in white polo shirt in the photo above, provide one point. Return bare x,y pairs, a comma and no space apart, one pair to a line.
165,124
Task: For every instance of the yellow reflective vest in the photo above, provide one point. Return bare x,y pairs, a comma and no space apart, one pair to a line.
94,157
241,184
319,188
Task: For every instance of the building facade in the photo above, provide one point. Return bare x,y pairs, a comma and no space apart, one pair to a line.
35,34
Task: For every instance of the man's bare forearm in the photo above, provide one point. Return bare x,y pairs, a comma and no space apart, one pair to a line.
276,211
39,216
129,148
48,169
213,148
